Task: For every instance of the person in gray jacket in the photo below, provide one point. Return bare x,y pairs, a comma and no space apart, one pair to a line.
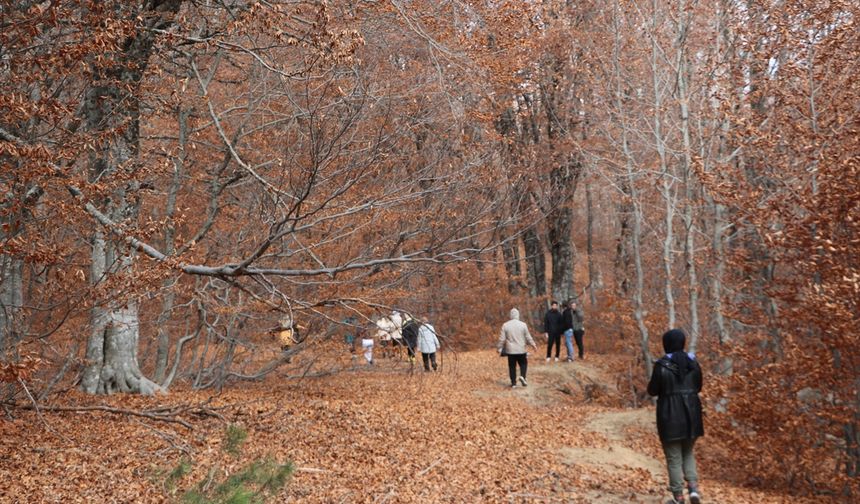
513,339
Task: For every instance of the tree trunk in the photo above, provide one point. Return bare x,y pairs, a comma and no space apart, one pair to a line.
561,250
635,237
689,241
511,256
667,178
535,269
11,299
111,111
592,271
718,211
163,349
563,180
622,252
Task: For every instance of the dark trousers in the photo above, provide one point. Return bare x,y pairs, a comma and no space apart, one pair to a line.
577,335
554,339
513,360
428,358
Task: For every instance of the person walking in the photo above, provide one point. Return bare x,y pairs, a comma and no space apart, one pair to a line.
677,381
578,327
367,346
567,317
553,326
513,339
428,344
410,336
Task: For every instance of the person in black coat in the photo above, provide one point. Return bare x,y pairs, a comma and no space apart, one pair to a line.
553,326
677,381
410,337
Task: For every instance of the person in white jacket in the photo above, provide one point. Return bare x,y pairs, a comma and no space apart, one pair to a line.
428,344
513,339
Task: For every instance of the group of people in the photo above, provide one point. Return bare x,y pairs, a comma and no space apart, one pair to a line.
568,323
403,330
676,382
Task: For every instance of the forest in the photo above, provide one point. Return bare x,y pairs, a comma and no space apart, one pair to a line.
179,177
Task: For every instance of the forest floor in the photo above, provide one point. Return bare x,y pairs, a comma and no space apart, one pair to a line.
387,433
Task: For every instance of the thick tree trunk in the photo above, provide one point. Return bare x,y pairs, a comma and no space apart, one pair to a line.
513,268
562,253
563,180
112,111
11,299
98,317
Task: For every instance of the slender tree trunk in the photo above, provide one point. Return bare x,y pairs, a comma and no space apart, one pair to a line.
535,269
592,271
635,237
667,178
622,252
718,211
163,350
689,241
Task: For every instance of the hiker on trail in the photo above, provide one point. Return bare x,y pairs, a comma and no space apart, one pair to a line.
388,331
513,339
350,334
578,326
677,381
553,327
288,335
567,317
428,344
410,336
367,346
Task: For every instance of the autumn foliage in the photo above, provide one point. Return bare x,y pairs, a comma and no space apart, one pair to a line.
178,176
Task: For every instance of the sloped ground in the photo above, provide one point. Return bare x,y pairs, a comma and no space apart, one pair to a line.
380,434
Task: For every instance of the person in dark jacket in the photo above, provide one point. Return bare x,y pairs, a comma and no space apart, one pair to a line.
553,326
410,336
677,381
578,325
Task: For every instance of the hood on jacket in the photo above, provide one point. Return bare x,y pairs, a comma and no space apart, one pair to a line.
673,343
515,314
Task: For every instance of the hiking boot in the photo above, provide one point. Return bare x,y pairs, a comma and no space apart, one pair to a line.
547,359
695,498
677,499
556,359
523,381
513,385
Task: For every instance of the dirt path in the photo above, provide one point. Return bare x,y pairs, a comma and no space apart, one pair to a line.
371,435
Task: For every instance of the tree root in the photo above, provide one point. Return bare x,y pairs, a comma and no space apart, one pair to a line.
167,414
